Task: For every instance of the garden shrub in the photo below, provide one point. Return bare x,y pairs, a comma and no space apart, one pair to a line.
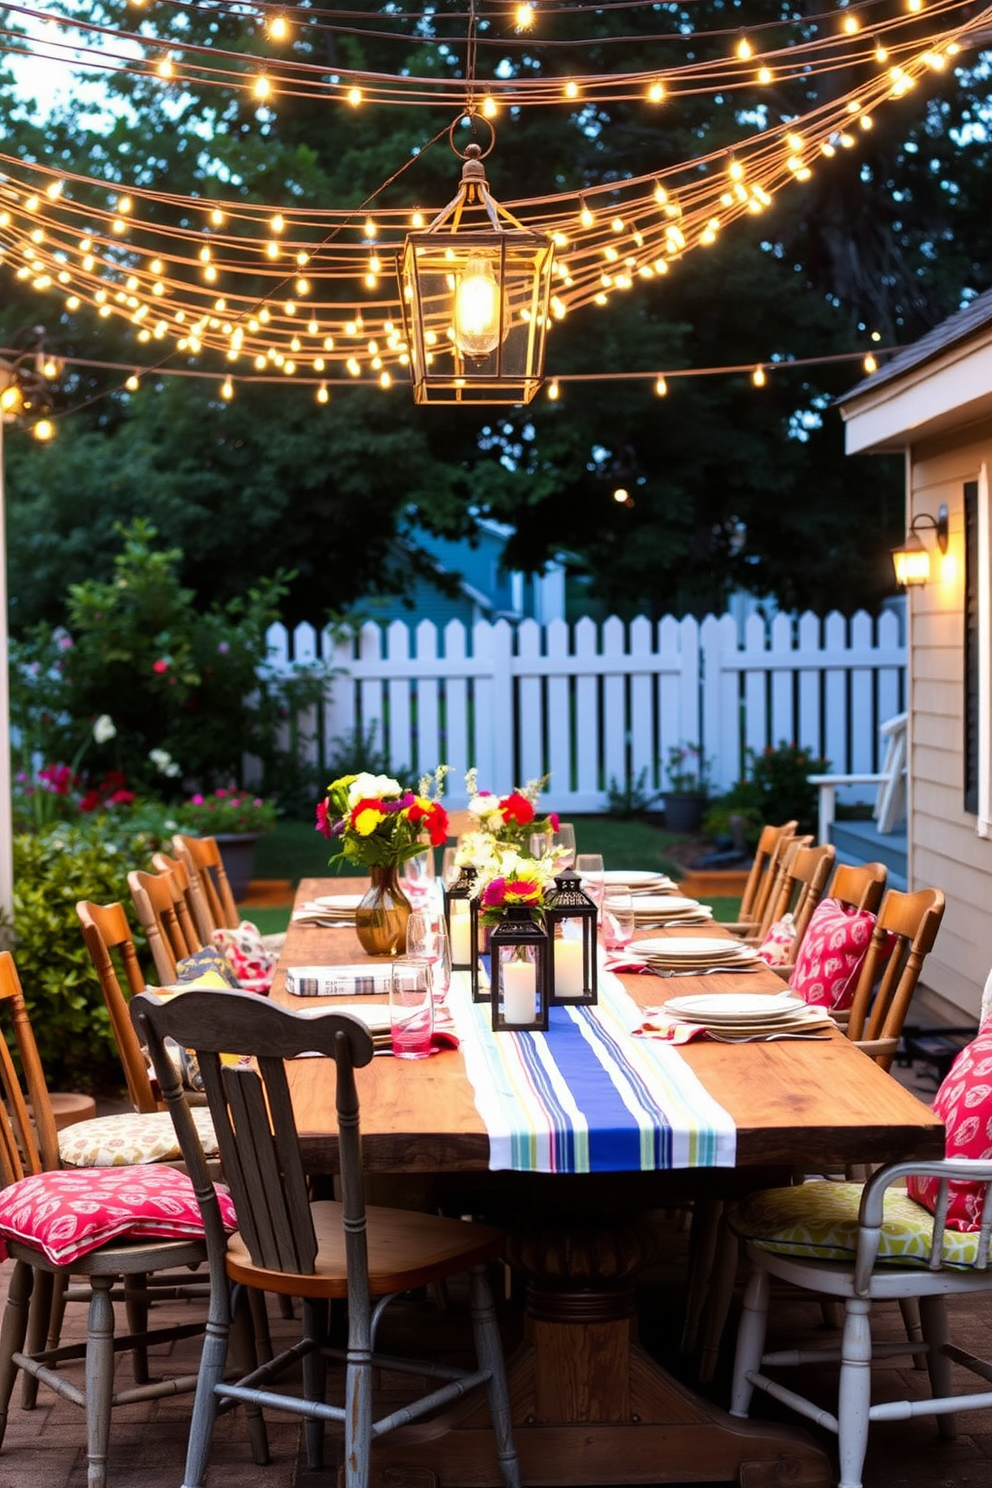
52,870
774,788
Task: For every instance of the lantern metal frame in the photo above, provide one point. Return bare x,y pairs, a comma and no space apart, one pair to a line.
911,561
462,889
567,901
430,265
518,928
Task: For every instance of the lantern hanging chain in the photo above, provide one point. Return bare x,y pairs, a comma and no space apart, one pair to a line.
471,46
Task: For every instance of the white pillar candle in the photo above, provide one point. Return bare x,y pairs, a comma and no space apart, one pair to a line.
461,932
569,981
519,991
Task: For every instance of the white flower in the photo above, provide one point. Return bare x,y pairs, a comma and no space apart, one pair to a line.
366,786
164,763
104,729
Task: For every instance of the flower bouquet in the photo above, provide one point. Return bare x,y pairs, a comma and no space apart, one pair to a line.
511,881
504,821
375,823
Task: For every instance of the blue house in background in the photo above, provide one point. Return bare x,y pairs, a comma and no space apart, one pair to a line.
486,590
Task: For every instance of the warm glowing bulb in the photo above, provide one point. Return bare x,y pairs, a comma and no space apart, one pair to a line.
851,25
870,364
571,90
758,377
478,309
524,16
10,398
217,217
417,221
661,387
765,75
621,496
323,396
278,28
354,96
554,392
656,92
262,88
585,216
43,429
489,108
744,49
227,389
132,384
165,68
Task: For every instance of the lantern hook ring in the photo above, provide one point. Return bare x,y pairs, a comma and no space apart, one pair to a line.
472,151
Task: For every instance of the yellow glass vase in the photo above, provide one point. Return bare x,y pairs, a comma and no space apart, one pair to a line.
381,917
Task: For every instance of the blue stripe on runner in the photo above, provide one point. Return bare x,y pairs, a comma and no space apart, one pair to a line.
614,1136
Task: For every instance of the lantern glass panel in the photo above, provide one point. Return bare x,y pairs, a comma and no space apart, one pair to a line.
518,965
572,922
457,914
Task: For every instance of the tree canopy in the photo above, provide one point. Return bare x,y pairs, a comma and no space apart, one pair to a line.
728,484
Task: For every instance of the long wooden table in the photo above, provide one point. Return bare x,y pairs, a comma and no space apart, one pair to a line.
590,1407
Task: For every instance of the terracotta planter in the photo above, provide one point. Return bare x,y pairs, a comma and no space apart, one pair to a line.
684,813
237,850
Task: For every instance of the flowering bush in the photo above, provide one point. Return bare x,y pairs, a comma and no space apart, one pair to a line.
374,821
688,770
226,810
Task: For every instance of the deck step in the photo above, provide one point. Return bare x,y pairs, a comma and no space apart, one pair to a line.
860,842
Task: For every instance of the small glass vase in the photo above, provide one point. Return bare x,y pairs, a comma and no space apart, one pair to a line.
380,919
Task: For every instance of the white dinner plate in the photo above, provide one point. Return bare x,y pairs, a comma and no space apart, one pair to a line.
695,947
375,1015
736,1007
664,904
339,902
631,878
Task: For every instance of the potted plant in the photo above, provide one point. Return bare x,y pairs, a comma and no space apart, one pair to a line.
237,819
687,792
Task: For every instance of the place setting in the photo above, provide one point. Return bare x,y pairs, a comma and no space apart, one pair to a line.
666,909
638,881
695,955
735,1018
328,910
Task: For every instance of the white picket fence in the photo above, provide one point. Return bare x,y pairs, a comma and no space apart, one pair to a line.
596,704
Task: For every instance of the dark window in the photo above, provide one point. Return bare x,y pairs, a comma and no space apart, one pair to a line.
972,679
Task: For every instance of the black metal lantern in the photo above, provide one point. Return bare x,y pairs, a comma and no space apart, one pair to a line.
518,972
475,296
571,919
458,917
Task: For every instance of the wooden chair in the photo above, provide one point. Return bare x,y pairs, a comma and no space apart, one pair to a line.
161,907
859,1280
209,890
39,1287
778,887
859,887
107,934
191,888
319,1250
890,802
904,933
761,877
804,875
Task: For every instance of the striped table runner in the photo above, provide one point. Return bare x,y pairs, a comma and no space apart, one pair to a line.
587,1097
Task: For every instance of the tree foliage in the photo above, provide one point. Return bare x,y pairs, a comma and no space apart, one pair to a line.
729,485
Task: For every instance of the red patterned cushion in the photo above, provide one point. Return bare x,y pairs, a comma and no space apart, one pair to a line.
830,957
778,945
67,1214
964,1104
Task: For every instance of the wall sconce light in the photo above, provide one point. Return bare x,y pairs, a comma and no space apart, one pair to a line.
475,288
912,561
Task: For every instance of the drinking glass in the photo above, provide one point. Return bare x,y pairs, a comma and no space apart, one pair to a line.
449,867
589,867
418,878
563,842
618,919
411,1008
427,940
539,844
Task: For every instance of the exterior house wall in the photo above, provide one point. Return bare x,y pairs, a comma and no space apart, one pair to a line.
944,848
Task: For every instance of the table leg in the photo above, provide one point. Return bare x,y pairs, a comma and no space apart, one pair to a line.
590,1407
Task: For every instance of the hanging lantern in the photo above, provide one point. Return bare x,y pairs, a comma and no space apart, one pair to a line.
518,973
459,920
571,920
475,288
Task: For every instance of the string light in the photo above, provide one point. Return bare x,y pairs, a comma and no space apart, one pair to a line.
758,377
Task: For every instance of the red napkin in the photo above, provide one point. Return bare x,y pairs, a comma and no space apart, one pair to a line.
658,1025
627,965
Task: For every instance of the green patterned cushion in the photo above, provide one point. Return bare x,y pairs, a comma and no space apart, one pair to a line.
820,1220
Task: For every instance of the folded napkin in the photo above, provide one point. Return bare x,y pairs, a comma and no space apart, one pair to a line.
625,965
312,914
658,1024
364,980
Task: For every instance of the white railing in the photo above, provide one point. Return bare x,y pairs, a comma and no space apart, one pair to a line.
599,704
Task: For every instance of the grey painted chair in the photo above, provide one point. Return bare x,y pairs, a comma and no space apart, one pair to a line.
319,1250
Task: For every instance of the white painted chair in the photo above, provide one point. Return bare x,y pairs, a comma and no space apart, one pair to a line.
920,1259
890,803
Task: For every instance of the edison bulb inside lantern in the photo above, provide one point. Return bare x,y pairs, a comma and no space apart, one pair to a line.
479,325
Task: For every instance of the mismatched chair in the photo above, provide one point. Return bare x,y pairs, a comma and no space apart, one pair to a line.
210,889
163,913
857,887
761,877
318,1250
801,882
108,936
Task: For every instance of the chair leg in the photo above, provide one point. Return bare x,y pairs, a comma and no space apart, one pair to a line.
99,1379
314,1377
260,1321
854,1392
358,1422
12,1333
242,1353
910,1309
933,1323
58,1312
750,1340
39,1321
136,1311
489,1351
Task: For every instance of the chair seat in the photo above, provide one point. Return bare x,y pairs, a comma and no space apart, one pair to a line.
405,1249
819,1221
118,1257
130,1139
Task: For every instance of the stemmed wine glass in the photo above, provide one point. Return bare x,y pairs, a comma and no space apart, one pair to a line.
418,878
427,940
589,867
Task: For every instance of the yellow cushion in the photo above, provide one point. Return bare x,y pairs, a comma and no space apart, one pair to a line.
820,1220
129,1139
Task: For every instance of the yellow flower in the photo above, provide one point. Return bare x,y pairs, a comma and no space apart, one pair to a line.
366,818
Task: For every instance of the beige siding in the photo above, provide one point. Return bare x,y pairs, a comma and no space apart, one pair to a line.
944,847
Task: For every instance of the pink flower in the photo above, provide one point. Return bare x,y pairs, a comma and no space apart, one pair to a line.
323,823
160,666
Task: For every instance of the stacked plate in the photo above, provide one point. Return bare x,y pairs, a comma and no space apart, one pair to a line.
668,909
329,909
697,953
638,881
747,1015
375,1016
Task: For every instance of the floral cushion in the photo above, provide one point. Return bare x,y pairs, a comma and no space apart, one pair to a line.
831,955
252,962
66,1215
130,1139
820,1220
208,967
964,1104
777,947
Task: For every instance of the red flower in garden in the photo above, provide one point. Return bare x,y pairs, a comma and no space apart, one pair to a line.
516,808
